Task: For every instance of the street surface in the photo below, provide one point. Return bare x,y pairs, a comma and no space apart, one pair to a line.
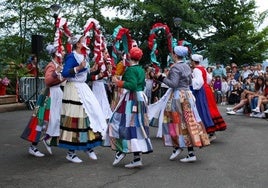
237,158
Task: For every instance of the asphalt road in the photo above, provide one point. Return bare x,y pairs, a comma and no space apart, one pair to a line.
237,158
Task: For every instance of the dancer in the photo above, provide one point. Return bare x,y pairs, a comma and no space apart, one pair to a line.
83,123
98,77
53,80
199,92
129,127
47,112
219,123
180,125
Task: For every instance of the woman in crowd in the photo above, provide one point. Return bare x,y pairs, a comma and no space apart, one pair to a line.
262,100
255,96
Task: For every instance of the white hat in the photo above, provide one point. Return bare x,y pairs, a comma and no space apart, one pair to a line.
197,58
51,49
181,51
75,39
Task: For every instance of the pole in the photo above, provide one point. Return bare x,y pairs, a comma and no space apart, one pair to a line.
36,79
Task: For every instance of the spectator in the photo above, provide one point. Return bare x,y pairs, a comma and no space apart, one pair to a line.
245,72
32,66
235,94
209,71
262,100
217,89
149,83
235,71
224,90
164,87
259,91
219,71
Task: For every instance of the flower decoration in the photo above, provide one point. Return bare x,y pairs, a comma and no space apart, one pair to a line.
4,81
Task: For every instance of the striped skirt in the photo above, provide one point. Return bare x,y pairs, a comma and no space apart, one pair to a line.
76,133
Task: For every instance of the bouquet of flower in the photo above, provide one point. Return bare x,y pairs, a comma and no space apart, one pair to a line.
5,81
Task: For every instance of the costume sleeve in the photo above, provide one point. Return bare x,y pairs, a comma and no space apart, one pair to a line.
197,80
130,80
92,76
68,69
172,80
51,77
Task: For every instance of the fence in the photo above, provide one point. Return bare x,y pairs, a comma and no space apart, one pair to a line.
29,87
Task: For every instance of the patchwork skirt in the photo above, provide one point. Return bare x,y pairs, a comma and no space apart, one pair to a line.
128,128
38,122
181,126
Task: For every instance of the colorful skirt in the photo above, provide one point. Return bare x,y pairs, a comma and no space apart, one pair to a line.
180,126
76,133
219,123
38,122
128,128
202,107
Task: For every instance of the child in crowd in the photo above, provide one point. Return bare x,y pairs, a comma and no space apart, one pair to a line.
224,90
217,88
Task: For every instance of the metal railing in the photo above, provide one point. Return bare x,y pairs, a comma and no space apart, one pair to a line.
29,88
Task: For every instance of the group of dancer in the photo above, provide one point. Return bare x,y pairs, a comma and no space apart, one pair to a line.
77,118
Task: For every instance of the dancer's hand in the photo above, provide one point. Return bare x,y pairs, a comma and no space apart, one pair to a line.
114,79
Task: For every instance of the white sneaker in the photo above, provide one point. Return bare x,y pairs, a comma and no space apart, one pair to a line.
73,158
229,109
134,164
256,110
260,115
212,137
231,112
252,114
266,111
175,154
35,152
240,110
118,158
47,147
188,159
92,155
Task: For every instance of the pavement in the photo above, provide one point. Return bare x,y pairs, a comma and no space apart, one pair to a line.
12,107
236,159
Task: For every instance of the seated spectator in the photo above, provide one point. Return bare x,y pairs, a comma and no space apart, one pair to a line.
235,71
259,98
235,94
258,88
246,96
245,72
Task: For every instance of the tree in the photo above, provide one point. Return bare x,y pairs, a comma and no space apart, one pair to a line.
234,36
